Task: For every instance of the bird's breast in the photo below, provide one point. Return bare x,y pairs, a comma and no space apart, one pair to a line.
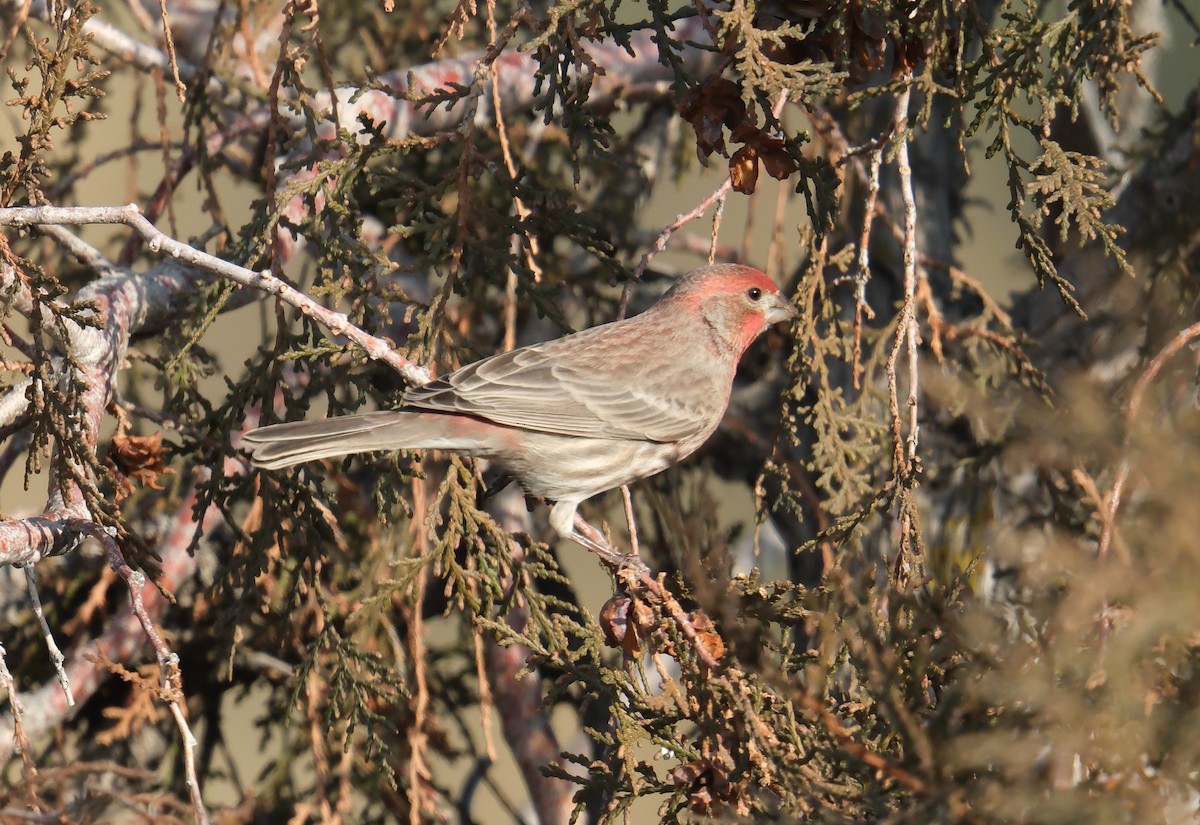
569,468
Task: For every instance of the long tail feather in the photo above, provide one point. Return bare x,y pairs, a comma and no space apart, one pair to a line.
282,445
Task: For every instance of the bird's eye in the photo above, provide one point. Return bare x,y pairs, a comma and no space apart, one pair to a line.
754,292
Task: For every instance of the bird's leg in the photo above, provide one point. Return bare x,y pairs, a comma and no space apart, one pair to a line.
594,540
567,522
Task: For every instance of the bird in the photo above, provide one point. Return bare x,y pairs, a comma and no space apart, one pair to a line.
576,416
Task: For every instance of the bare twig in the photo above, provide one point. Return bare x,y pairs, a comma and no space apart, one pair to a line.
716,228
157,241
912,328
687,242
124,634
19,739
905,448
530,245
627,499
56,655
83,252
863,276
906,331
418,771
172,59
1153,368
660,243
911,331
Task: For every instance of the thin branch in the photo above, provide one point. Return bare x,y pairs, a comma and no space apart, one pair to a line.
861,308
627,499
905,324
911,330
158,241
682,220
56,655
688,242
417,733
123,636
905,449
83,251
20,739
1153,368
660,243
172,59
530,245
718,213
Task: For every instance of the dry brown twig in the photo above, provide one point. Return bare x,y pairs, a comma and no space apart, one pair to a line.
530,245
660,243
19,737
1137,394
180,88
418,772
861,308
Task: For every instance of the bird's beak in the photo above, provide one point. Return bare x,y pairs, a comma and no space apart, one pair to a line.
781,309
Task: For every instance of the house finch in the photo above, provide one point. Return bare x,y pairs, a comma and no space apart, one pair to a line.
579,415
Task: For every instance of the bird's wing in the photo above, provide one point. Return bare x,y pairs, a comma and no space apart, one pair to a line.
547,389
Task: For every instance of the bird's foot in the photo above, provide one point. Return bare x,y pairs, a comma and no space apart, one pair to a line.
632,562
618,561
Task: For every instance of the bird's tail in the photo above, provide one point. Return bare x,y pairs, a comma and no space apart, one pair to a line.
282,445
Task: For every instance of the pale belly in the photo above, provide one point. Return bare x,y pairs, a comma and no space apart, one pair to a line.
565,468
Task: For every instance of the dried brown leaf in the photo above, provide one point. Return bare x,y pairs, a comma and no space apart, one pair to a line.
139,460
743,170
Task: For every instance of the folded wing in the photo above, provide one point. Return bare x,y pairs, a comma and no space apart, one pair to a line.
544,388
